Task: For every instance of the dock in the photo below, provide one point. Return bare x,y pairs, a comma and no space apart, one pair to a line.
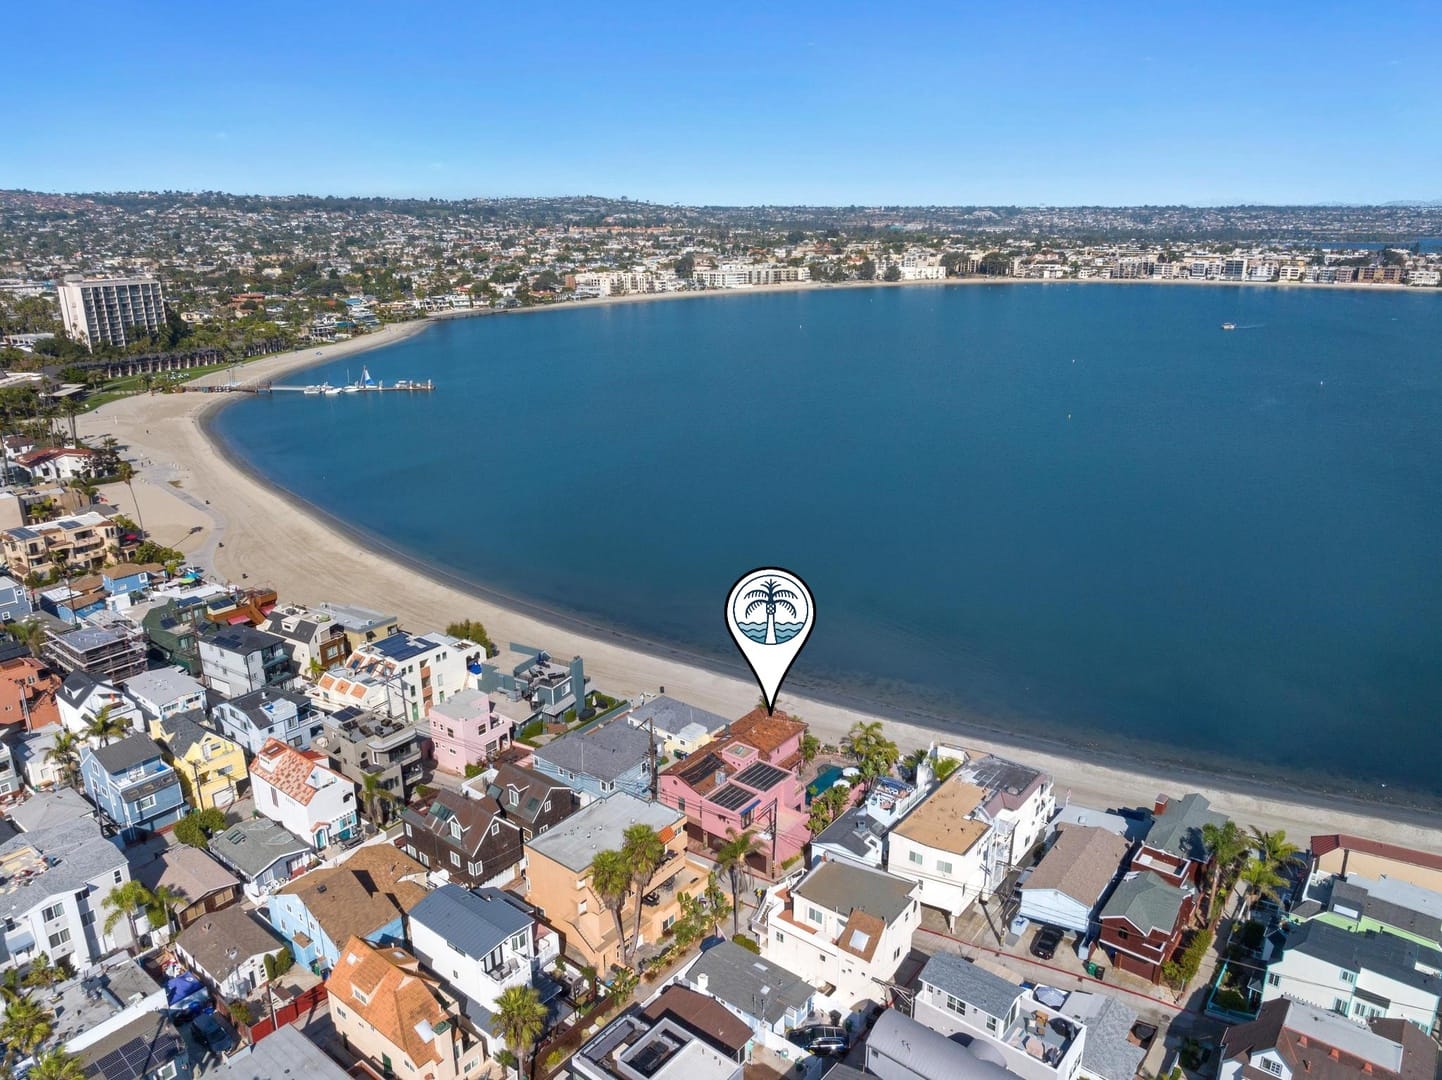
403,386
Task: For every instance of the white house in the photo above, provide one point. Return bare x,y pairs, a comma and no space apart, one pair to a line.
1019,803
1363,976
418,670
81,696
944,847
859,835
770,999
268,713
1066,888
56,879
296,789
844,928
162,693
480,941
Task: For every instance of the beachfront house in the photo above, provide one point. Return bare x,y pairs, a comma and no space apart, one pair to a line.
943,845
132,785
559,873
725,789
600,760
1067,887
1174,848
1018,804
1362,975
418,671
361,625
365,897
522,673
1343,854
268,713
465,840
683,729
860,834
297,789
1358,904
1142,922
472,728
239,660
316,642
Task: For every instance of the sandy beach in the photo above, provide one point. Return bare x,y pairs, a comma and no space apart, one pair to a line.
243,529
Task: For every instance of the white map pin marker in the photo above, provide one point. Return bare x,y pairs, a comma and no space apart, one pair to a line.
770,615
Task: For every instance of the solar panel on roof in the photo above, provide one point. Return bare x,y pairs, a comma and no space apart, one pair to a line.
693,774
732,797
761,777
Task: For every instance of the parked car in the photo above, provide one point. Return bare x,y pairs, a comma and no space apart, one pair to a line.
1043,946
821,1039
213,1033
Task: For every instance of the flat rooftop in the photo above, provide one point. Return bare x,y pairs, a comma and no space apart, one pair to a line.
600,827
943,821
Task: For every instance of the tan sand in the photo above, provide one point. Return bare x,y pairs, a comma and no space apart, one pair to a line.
252,533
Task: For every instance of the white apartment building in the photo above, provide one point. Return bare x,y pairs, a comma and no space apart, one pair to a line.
598,283
417,670
102,311
1018,806
944,847
745,275
843,929
52,882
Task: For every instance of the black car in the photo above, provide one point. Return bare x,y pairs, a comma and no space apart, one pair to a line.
1043,946
821,1039
213,1033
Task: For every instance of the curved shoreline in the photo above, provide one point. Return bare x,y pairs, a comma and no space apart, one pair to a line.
426,595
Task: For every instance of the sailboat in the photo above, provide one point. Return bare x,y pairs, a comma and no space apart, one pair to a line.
367,383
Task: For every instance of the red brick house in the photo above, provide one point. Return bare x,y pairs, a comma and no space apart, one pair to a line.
1143,922
1173,848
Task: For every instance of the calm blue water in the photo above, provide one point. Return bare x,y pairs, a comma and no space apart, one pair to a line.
1079,510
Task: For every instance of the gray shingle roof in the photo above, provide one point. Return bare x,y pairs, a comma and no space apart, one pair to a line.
80,853
253,846
1178,829
1385,954
185,730
748,983
845,887
221,941
850,831
1107,1052
605,752
1145,901
472,921
974,985
673,717
129,752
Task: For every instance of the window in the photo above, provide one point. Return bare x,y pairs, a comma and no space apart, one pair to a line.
408,828
474,868
608,785
1272,1065
956,1005
1340,1006
359,995
681,805
915,857
455,859
991,1024
455,830
780,937
60,937
119,876
814,915
1348,976
146,803
515,797
53,912
580,907
1273,979
668,922
943,867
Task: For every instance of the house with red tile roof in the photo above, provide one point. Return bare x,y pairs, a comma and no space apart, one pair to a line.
300,791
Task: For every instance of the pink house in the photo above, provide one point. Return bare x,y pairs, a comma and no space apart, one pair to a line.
744,779
472,727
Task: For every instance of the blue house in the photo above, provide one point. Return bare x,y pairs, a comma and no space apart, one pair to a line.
600,760
368,896
133,786
127,577
15,603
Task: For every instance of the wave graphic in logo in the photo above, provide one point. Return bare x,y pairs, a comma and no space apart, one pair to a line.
784,631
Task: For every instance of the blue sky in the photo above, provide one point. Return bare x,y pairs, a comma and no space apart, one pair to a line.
1067,103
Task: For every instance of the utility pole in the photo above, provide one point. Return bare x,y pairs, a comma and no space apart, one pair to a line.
651,753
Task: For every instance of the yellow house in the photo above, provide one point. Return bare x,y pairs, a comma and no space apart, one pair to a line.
211,767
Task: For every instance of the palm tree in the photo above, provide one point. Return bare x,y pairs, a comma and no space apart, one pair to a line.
716,902
56,1064
770,596
1227,844
33,581
65,754
125,473
12,985
643,850
611,881
731,860
1262,873
875,754
375,796
105,726
62,573
124,901
26,1025
520,1019
164,899
42,972
810,747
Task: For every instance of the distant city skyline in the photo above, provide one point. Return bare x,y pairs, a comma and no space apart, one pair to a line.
747,105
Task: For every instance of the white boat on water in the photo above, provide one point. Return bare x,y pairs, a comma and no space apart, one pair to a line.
330,391
352,389
312,390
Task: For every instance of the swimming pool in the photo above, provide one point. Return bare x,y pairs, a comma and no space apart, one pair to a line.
824,779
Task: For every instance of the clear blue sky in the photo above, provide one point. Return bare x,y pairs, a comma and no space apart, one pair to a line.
1067,103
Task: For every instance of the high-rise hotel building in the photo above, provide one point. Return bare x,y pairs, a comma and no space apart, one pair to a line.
101,311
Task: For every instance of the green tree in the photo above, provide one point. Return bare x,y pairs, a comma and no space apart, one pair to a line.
1262,873
611,881
125,473
1228,845
197,827
56,1064
165,900
810,747
893,273
731,861
644,851
520,1020
874,753
65,756
26,1025
945,767
473,630
376,798
686,265
867,270
105,725
125,901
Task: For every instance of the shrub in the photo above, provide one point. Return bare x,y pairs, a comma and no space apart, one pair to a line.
1232,1001
284,961
197,827
474,770
554,1059
746,943
423,791
240,1012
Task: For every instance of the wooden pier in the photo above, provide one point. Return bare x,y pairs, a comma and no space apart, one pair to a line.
404,387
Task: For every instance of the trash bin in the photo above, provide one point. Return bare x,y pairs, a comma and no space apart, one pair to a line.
1095,970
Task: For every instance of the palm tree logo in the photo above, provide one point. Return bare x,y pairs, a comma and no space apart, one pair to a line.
770,595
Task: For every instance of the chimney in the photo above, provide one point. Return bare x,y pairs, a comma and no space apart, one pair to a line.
1301,1040
702,982
1161,805
1334,1054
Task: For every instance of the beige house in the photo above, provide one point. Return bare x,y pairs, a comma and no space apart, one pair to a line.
559,871
1341,854
87,541
399,1018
